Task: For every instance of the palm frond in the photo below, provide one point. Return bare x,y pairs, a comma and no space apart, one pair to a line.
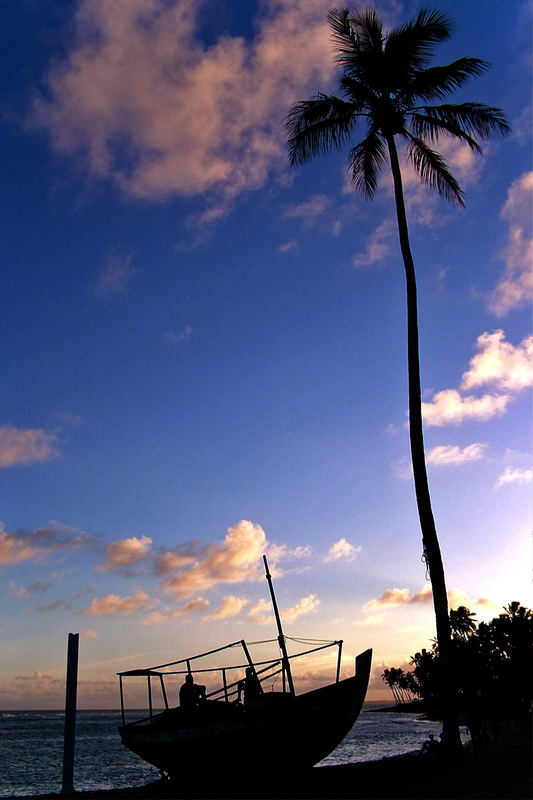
358,39
475,119
366,160
436,82
358,92
368,30
427,127
410,46
433,170
342,35
318,125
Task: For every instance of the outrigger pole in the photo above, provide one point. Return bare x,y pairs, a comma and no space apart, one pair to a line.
281,637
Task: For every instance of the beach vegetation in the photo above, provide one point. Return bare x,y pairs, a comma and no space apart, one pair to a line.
492,664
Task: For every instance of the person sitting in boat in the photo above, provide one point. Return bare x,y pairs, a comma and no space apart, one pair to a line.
251,686
191,694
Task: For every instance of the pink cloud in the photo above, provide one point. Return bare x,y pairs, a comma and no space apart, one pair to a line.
449,407
116,274
304,606
261,612
230,606
115,604
400,597
14,549
25,446
515,286
452,455
342,549
193,118
310,210
500,364
236,559
197,604
23,545
125,552
505,369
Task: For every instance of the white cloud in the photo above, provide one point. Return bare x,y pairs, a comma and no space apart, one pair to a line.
342,549
14,549
401,597
288,247
448,407
173,560
463,162
230,606
304,606
116,274
504,368
500,364
515,287
511,475
378,246
179,337
126,552
25,446
23,545
14,590
395,597
451,455
301,551
196,604
236,559
261,612
191,117
310,210
423,204
115,604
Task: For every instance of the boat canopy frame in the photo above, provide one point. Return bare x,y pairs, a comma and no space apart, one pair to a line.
268,669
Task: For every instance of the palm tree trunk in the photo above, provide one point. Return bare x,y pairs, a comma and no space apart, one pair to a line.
432,554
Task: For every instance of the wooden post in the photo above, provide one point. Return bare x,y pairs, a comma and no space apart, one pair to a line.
225,685
70,713
150,695
122,699
339,658
164,691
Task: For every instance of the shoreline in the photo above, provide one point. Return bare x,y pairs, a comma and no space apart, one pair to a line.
497,774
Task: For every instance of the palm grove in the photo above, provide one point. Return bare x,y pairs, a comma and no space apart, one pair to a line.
493,664
388,85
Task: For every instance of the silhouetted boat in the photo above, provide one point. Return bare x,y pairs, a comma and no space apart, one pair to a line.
278,728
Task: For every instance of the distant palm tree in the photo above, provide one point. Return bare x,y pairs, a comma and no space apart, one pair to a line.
462,622
386,81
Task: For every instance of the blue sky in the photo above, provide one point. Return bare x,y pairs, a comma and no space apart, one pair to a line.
204,351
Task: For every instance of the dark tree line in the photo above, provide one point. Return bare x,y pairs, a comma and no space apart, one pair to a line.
492,665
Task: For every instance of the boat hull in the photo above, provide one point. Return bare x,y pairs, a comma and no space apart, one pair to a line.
286,731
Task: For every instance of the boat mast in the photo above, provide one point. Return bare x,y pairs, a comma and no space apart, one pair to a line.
281,637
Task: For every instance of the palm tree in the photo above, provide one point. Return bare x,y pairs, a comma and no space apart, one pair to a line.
387,82
462,622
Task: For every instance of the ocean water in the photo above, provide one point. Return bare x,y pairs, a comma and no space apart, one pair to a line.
31,748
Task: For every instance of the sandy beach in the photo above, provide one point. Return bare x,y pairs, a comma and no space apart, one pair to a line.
491,776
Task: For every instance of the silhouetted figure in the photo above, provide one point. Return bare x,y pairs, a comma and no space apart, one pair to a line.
251,686
431,747
191,694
